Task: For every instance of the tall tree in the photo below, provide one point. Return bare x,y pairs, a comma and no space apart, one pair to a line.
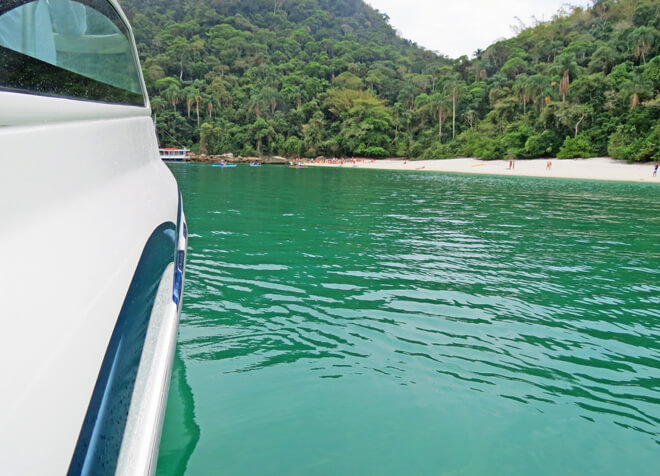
642,40
440,104
173,95
636,90
188,95
567,66
539,87
523,90
454,88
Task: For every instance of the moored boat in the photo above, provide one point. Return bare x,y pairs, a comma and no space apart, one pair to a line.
172,154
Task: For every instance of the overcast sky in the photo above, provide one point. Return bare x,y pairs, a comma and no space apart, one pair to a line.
459,27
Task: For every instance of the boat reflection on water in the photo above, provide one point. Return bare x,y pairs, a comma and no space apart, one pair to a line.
180,430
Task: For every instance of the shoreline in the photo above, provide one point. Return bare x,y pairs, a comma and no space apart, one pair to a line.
598,168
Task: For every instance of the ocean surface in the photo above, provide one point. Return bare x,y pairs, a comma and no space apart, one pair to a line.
354,322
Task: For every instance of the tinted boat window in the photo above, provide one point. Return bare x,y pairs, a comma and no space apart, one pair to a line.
68,48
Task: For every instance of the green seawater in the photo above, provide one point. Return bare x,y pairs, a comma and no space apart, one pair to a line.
352,322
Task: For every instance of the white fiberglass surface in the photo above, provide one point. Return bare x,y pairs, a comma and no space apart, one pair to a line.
24,109
79,201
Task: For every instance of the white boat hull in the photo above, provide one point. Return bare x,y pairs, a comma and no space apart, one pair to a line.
85,204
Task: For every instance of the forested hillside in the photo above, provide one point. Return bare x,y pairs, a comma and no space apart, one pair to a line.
324,77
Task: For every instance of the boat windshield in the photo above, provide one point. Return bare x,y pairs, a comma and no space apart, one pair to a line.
72,43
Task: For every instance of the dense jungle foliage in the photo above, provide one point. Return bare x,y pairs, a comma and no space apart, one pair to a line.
331,77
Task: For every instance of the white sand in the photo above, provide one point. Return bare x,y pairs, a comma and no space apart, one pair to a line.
601,168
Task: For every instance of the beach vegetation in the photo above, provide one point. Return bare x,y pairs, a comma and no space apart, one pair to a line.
545,144
576,147
322,77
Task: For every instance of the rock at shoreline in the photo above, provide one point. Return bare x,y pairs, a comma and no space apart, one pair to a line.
230,158
275,160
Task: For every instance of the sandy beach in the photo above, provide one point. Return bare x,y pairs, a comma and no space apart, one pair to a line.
600,168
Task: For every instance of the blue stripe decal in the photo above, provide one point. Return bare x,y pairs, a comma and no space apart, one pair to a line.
102,431
180,258
178,277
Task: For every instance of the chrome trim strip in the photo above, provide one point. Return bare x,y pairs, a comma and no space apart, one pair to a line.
139,449
144,424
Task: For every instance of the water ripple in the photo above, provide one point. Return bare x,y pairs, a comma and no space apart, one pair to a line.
536,295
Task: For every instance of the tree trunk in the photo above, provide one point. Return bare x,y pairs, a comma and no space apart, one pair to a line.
564,84
634,101
440,124
578,124
453,116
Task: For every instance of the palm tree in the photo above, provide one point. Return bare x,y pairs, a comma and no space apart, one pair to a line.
189,96
256,104
399,113
440,104
261,130
564,84
220,89
407,95
539,87
271,97
642,40
636,89
523,90
454,87
198,98
196,93
566,65
157,104
173,95
209,100
603,59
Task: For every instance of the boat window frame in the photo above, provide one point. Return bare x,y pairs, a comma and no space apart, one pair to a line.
88,89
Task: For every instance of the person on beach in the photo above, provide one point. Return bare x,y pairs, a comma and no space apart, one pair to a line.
655,170
548,165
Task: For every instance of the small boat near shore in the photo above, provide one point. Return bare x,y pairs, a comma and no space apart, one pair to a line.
174,155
